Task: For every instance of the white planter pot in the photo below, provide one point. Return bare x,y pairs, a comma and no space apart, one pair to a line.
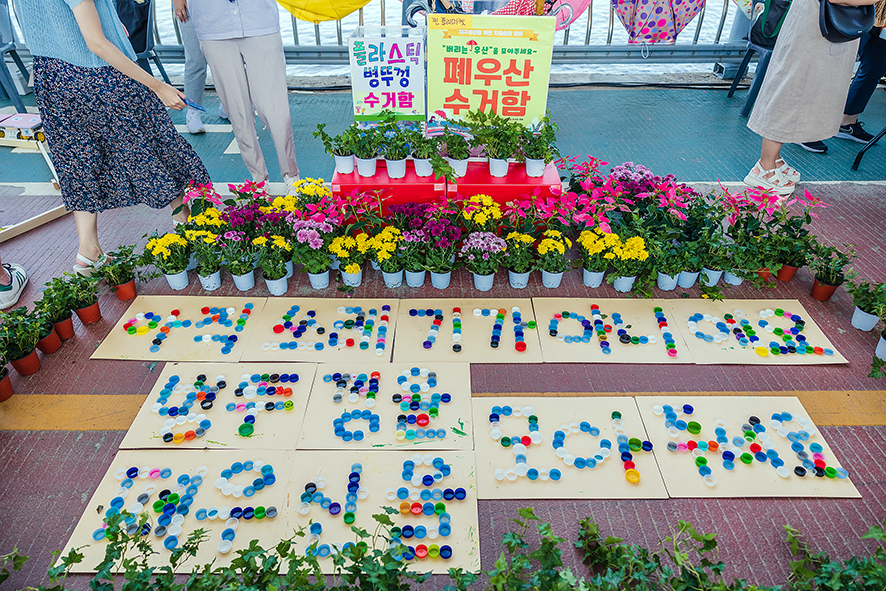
518,280
711,278
483,282
277,287
192,263
624,284
459,166
352,279
211,282
592,278
344,164
881,349
423,167
441,280
396,168
374,266
551,280
687,279
535,167
667,282
864,321
415,278
731,279
178,281
393,279
319,280
289,267
245,282
366,166
498,167
335,264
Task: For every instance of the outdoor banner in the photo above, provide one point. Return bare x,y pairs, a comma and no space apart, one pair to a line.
497,63
388,72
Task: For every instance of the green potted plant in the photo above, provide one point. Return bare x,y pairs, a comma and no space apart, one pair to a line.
204,245
520,258
120,270
828,264
395,145
423,149
49,340
367,146
483,253
498,136
84,293
456,152
595,247
56,305
5,382
19,333
170,255
341,147
870,302
690,255
273,252
552,261
538,146
666,263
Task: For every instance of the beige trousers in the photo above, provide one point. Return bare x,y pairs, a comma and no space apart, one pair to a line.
250,76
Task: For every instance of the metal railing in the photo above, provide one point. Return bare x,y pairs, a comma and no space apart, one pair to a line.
564,53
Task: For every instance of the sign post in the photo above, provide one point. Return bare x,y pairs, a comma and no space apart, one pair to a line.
488,63
388,72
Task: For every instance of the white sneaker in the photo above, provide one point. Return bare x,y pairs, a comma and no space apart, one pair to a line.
290,181
9,294
195,123
222,114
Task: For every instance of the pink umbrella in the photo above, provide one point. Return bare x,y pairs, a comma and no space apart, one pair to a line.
567,11
656,21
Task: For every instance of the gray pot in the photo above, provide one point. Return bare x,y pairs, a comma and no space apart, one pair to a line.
731,278
415,278
396,168
518,280
319,280
687,279
535,167
880,351
423,167
441,280
624,284
210,282
245,282
393,280
277,287
667,282
483,282
864,321
551,280
592,279
711,278
352,279
344,164
366,166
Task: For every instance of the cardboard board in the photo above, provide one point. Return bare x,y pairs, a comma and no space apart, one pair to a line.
607,480
453,421
759,478
265,344
266,531
731,350
577,344
476,331
278,428
381,475
179,344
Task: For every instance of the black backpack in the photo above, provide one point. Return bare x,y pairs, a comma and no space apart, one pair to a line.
764,30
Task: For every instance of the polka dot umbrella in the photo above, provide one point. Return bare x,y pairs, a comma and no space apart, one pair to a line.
656,21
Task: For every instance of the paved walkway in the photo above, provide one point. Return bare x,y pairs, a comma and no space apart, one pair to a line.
62,428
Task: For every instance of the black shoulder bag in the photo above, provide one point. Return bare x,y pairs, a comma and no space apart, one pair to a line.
840,24
765,29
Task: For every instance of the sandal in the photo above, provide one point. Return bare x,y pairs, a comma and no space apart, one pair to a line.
88,267
789,171
778,182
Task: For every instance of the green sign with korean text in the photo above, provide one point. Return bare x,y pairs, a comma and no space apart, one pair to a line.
488,63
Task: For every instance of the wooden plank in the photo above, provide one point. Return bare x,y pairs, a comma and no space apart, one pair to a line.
11,232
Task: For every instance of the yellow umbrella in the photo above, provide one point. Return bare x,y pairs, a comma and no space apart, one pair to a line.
322,10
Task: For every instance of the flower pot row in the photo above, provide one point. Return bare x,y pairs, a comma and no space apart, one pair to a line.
396,169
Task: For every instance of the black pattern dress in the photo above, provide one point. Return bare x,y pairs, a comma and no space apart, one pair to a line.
112,142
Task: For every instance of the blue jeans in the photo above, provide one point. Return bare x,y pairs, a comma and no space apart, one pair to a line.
872,67
195,63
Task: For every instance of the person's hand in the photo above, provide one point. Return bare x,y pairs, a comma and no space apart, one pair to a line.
180,8
171,97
